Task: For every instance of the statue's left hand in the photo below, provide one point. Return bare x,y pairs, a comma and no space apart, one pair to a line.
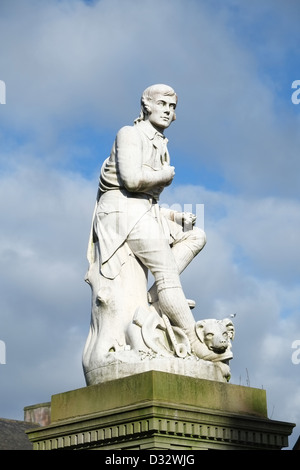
189,218
185,219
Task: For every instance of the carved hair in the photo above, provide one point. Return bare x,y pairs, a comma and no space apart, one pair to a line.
148,96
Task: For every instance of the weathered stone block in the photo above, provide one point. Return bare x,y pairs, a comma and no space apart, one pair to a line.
157,410
162,387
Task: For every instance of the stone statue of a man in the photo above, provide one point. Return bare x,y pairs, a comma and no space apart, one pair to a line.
130,227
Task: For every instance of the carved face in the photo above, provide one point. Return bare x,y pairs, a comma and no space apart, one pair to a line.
161,111
216,334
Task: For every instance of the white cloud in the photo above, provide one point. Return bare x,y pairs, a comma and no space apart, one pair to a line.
44,300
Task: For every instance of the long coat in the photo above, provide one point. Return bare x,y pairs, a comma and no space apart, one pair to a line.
136,149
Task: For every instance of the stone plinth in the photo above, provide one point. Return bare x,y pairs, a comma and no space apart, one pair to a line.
160,411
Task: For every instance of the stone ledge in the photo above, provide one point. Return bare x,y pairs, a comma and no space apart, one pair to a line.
161,427
162,387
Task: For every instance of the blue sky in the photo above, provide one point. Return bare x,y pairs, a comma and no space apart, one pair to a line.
74,72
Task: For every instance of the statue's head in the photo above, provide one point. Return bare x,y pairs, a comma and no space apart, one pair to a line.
156,96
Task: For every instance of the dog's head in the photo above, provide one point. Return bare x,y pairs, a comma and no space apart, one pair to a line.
215,334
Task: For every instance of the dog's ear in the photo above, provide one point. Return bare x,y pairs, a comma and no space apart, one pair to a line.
199,327
230,328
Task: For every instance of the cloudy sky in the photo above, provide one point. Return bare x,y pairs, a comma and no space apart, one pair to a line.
74,71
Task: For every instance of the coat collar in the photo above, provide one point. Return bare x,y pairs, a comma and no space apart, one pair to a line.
150,132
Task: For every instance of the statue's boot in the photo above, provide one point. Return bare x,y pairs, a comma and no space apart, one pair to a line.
153,297
183,252
173,303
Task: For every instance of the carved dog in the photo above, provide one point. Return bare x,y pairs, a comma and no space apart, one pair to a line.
215,336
